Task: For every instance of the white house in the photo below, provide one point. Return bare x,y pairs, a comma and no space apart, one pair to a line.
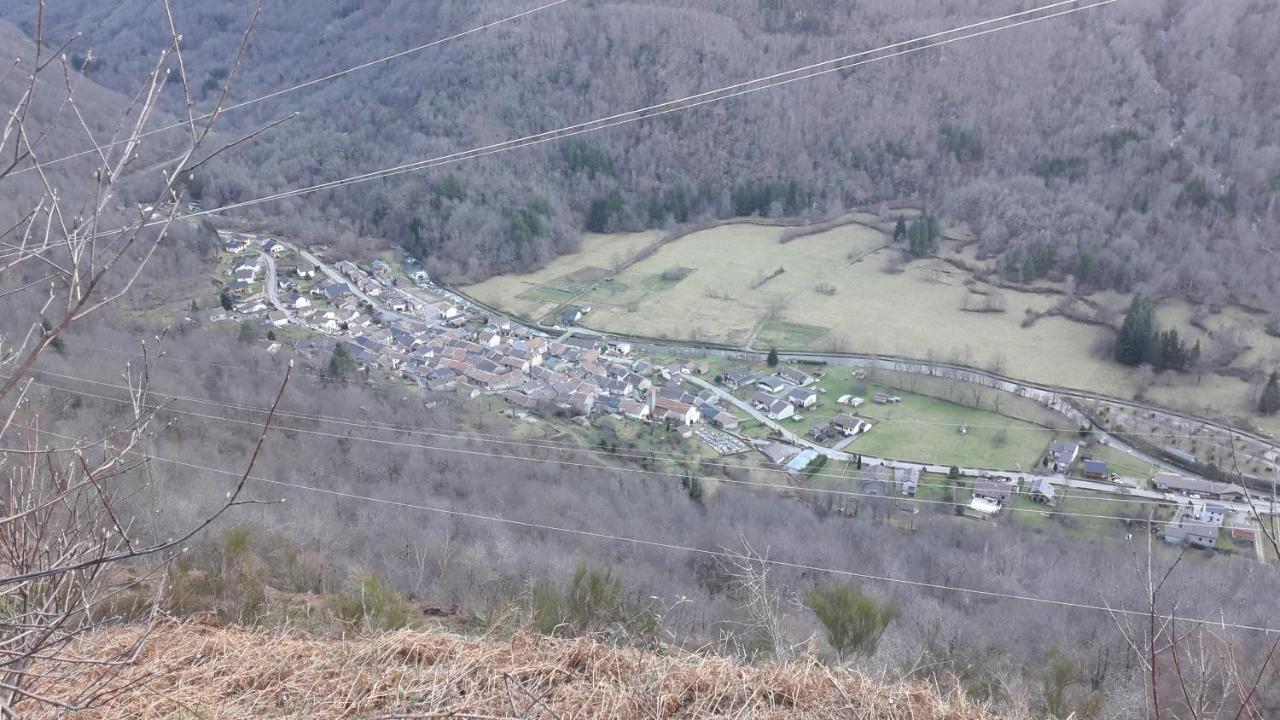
780,410
802,397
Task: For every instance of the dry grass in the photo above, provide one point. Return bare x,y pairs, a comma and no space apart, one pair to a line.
194,670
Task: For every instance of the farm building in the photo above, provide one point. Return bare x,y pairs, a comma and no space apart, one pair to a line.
1094,469
1171,482
1243,529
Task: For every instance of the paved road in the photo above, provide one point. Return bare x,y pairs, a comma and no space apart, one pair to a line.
787,434
270,286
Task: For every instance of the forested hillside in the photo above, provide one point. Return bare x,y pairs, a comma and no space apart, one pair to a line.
1130,144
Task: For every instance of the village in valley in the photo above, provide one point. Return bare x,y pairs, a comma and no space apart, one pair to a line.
809,424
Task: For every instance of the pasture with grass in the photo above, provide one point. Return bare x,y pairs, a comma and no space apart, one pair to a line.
843,286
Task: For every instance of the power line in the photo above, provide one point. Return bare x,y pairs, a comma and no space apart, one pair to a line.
449,433
1030,427
640,471
452,434
995,594
703,98
307,83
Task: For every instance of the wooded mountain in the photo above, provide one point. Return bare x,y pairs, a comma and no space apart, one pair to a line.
1133,144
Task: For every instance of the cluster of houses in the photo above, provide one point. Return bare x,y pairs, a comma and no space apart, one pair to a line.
581,376
447,352
309,298
778,396
1198,520
886,479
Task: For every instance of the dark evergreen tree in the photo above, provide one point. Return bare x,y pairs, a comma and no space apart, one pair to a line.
1137,333
900,229
271,335
1172,351
922,236
692,487
341,364
225,300
1269,403
772,360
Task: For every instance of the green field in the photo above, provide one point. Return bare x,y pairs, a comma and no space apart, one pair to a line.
785,334
548,294
1120,462
927,429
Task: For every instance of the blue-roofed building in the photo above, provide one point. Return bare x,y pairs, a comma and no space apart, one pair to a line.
797,464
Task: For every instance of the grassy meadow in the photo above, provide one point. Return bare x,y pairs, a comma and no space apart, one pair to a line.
835,291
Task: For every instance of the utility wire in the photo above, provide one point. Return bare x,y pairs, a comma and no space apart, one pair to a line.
640,471
305,84
994,594
1031,427
453,434
845,62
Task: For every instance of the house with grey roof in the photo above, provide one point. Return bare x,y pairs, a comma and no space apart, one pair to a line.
1061,455
1041,490
737,378
771,384
1196,523
907,480
778,453
802,397
998,490
1094,469
794,376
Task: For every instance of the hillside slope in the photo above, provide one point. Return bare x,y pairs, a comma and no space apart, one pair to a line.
1107,145
237,672
54,130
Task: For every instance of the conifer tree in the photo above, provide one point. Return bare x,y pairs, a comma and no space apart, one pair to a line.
1137,333
1269,403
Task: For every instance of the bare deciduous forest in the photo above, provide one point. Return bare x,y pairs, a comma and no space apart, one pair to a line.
1135,144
